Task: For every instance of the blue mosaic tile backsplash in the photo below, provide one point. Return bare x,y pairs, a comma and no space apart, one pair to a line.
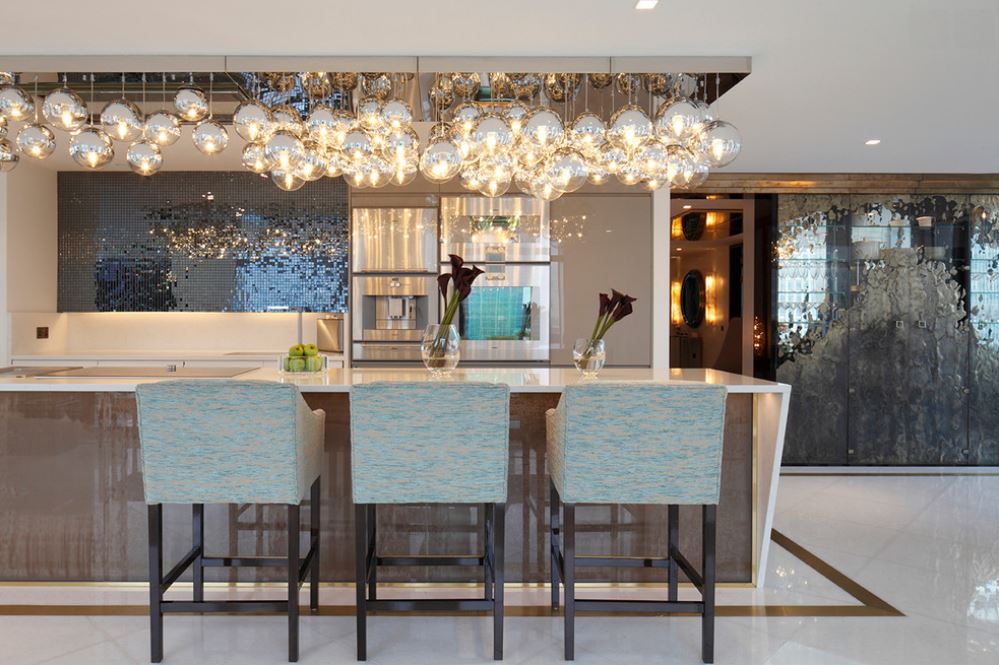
201,242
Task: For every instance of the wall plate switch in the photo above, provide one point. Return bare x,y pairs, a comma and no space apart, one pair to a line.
42,332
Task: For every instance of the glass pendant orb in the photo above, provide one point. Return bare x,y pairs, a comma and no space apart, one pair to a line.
650,157
613,158
470,179
566,169
357,145
6,78
320,125
588,131
286,118
441,161
404,173
466,84
601,79
679,165
91,148
334,164
543,128
516,114
3,126
495,167
210,137
629,174
629,126
9,158
561,87
252,121
465,116
499,85
491,134
396,114
356,175
544,189
657,84
379,172
402,146
122,120
284,150
529,156
369,114
377,85
343,122
652,184
286,180
720,143
144,157
36,141
312,166
65,110
628,83
695,172
495,187
677,119
316,85
524,86
441,93
255,158
598,174
344,81
162,128
191,103
15,104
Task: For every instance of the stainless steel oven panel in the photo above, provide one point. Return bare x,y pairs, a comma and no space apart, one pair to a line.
394,239
392,335
395,353
533,349
468,229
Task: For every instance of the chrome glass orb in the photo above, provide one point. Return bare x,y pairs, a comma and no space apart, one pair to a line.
357,146
343,122
36,141
312,166
561,87
677,119
284,150
334,164
379,172
499,85
356,175
529,155
396,114
495,167
516,114
685,85
65,110
629,174
629,126
280,81
252,121
402,146
612,158
588,131
657,84
679,165
286,118
524,86
191,103
316,85
650,157
144,157
719,142
544,189
567,170
652,184
369,113
492,187
3,126
91,148
9,158
491,134
598,173
466,84
470,179
122,120
15,104
320,125
441,93
404,173
255,158
6,78
162,128
628,84
344,81
377,85
465,117
210,137
441,161
543,128
601,79
694,175
286,180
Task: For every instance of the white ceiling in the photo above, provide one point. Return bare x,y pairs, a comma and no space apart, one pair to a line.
922,75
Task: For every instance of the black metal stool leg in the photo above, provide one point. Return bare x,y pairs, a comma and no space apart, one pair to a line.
315,510
198,538
673,542
708,562
553,507
489,559
569,578
293,564
498,535
155,513
361,575
373,549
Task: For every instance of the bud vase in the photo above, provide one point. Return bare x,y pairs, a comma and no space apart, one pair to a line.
589,356
440,349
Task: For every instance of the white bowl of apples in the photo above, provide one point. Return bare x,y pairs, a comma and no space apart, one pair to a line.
302,359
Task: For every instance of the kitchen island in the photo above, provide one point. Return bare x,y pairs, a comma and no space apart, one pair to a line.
71,502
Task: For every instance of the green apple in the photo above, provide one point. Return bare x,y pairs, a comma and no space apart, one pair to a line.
311,350
287,364
313,363
297,350
297,364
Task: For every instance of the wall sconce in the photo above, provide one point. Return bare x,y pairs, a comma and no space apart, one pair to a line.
676,228
712,219
711,283
675,315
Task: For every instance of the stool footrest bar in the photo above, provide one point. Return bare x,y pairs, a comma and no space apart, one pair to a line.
430,560
658,606
621,562
225,606
244,561
432,604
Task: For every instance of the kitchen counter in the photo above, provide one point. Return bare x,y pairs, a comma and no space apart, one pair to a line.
69,466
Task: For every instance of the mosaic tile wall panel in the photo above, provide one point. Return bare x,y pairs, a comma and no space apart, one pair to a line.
200,241
888,328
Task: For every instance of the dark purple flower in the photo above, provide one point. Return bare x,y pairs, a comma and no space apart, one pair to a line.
464,279
442,282
605,304
623,309
456,263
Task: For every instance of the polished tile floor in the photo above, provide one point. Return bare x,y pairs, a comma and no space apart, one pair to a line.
927,545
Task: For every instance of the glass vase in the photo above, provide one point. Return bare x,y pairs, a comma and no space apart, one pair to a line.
589,356
440,349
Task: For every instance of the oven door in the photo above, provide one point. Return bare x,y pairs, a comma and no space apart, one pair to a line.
505,229
505,318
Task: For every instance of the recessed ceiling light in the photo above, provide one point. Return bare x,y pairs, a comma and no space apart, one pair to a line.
872,141
646,4
687,207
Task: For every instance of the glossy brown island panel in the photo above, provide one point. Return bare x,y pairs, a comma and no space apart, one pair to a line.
71,506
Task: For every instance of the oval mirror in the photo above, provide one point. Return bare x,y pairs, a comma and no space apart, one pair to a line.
692,298
692,224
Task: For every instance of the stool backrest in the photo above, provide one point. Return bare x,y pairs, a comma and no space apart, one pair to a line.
208,441
429,442
643,443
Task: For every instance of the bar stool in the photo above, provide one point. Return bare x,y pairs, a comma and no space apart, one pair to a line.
636,443
429,443
228,442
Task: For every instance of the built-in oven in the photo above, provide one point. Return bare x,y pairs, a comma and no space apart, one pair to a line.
505,317
505,229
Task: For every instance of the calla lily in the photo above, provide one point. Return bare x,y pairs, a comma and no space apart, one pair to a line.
462,277
613,308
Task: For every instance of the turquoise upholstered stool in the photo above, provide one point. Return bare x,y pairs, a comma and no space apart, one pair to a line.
433,442
636,443
228,442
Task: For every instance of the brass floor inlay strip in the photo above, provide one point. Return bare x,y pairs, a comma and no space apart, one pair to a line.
871,604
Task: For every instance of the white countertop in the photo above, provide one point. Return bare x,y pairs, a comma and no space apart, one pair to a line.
524,380
111,354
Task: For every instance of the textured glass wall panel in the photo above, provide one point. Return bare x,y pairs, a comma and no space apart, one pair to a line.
200,241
